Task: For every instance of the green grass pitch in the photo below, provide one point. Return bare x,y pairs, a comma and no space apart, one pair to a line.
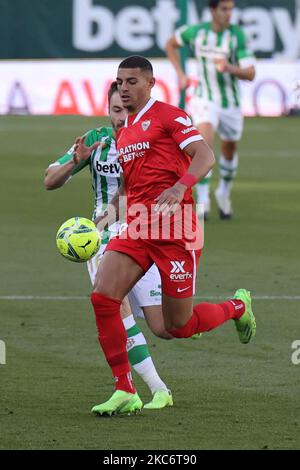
226,395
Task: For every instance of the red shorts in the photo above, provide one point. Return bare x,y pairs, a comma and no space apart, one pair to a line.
176,264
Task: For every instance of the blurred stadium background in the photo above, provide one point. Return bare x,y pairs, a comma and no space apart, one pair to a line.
57,59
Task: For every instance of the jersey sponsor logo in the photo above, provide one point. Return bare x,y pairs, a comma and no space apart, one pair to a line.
145,145
190,129
184,121
145,125
132,151
177,266
178,273
108,168
210,52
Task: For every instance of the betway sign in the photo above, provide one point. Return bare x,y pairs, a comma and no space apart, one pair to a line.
273,27
134,28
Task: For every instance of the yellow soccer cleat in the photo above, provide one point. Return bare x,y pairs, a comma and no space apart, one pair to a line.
161,399
246,325
119,403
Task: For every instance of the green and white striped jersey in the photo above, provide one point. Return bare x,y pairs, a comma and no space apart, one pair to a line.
221,88
104,167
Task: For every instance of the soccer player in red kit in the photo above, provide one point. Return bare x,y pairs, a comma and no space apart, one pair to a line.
162,156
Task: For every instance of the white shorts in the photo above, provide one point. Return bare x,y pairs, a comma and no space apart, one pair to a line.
146,292
227,122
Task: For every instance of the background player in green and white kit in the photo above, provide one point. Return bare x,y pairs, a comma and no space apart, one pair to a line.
97,150
220,49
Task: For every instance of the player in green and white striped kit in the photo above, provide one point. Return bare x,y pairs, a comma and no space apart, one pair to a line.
220,49
97,150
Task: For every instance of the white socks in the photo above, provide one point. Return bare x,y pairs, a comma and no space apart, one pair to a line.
139,356
228,171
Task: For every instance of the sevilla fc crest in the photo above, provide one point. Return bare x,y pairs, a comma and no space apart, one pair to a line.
145,125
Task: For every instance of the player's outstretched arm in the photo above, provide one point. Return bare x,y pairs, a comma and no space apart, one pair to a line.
202,161
57,175
82,151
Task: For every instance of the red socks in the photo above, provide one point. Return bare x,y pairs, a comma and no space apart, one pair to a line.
207,316
112,338
112,334
125,382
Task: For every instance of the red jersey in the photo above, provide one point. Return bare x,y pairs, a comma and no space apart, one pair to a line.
151,151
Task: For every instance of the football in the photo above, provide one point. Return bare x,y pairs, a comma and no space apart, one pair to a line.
78,239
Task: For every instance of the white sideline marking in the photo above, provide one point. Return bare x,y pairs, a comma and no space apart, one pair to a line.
62,297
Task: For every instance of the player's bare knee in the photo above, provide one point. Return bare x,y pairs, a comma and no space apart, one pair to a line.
106,289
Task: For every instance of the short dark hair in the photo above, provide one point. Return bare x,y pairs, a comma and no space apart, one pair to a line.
215,3
112,89
136,62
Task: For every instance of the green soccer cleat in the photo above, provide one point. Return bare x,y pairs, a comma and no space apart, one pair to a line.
161,399
246,325
119,403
